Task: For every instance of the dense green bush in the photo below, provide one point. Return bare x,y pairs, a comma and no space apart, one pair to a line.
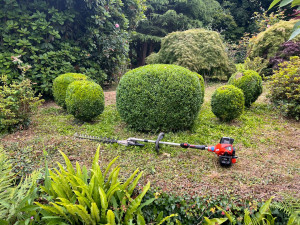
56,37
285,87
227,102
251,84
202,86
84,100
60,85
266,44
199,50
159,98
17,103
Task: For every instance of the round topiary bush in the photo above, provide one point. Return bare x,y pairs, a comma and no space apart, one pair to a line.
85,100
60,85
199,50
227,102
250,83
202,86
159,98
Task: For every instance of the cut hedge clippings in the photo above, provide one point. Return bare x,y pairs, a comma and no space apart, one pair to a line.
224,150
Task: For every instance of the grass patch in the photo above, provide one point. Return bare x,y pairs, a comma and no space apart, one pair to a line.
267,147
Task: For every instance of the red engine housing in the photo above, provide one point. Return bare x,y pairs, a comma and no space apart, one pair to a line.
224,150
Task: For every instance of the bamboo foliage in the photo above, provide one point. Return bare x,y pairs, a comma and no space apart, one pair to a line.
75,197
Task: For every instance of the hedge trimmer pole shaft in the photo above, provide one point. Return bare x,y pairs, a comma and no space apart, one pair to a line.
224,150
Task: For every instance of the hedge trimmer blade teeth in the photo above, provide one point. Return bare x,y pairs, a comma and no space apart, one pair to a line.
94,138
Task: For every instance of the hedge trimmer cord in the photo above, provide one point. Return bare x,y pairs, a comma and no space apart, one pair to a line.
224,150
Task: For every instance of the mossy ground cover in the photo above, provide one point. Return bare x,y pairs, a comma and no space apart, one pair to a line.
267,145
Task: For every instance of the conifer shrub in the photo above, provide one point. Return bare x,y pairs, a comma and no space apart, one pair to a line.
84,100
250,83
60,85
227,102
199,50
159,97
266,44
285,88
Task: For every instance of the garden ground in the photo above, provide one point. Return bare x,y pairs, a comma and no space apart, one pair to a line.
268,147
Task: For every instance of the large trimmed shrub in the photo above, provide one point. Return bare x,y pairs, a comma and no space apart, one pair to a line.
199,50
227,102
285,87
250,83
159,98
267,43
85,100
60,85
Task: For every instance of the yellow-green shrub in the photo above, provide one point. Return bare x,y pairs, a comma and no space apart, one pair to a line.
17,103
267,43
84,100
199,50
227,102
250,83
60,85
285,87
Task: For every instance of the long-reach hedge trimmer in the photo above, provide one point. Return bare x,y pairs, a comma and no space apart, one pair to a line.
224,150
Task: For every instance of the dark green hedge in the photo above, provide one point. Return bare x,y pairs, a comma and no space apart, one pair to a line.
227,102
159,98
60,85
251,84
85,100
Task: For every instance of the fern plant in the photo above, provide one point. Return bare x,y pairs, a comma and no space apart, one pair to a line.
16,201
76,197
290,207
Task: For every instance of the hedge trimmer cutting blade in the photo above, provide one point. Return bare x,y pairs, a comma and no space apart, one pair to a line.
224,150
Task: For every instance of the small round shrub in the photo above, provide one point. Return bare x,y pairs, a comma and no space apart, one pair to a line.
227,102
285,88
85,100
250,83
60,85
159,98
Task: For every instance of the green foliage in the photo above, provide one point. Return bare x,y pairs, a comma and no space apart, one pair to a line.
257,64
199,50
75,197
60,85
263,216
285,87
250,83
57,37
159,98
294,3
227,102
291,207
84,99
266,44
16,201
202,86
165,16
17,103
